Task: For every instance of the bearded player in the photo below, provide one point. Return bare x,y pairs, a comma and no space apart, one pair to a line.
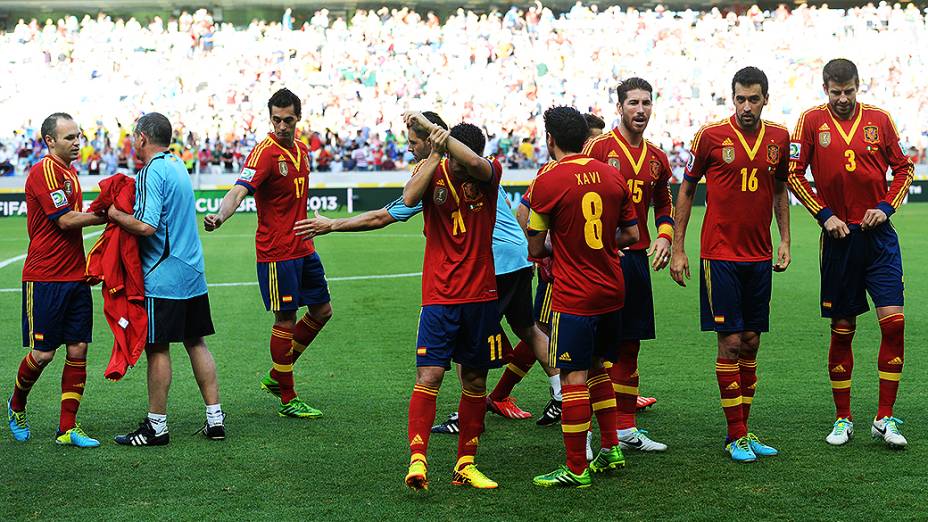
849,147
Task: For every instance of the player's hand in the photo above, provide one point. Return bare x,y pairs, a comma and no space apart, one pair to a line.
546,269
873,218
783,258
415,119
111,212
318,226
679,267
212,222
439,140
837,228
660,249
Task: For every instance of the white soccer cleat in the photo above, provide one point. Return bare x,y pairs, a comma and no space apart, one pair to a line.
636,439
841,433
887,429
589,446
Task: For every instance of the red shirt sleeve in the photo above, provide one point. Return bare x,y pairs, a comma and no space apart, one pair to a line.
256,169
800,151
43,186
902,168
696,166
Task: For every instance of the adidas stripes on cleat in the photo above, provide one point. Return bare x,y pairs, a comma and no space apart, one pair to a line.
449,427
298,409
643,403
562,477
551,415
270,385
144,436
507,408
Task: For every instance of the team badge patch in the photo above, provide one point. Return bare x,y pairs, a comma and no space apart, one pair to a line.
68,187
655,168
59,199
472,196
247,175
282,166
795,149
871,134
614,163
773,154
440,196
824,138
728,154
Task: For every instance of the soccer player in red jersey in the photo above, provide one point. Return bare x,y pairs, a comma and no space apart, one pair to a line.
57,307
744,161
586,208
849,146
459,320
647,173
290,272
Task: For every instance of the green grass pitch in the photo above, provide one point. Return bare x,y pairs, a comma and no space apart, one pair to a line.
350,464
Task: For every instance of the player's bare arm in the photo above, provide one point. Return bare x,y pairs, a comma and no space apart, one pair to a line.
321,225
417,185
477,167
781,214
128,222
76,220
230,203
679,263
627,236
538,246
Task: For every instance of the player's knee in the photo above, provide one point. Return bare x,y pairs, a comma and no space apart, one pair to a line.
321,313
285,319
750,343
847,324
43,357
729,345
430,376
77,351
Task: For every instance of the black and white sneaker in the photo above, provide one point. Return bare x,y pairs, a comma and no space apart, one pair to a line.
216,432
144,436
449,427
551,415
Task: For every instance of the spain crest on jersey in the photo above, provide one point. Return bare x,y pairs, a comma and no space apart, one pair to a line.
773,154
824,138
655,168
472,196
282,166
871,134
728,154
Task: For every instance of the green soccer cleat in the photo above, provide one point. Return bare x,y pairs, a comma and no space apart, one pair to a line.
270,385
607,459
562,477
298,409
76,437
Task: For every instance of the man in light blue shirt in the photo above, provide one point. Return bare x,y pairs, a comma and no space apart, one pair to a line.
513,282
175,284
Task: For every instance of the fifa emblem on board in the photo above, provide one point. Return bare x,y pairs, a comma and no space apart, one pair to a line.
728,154
871,134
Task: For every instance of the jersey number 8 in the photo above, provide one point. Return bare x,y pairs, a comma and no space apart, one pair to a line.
592,204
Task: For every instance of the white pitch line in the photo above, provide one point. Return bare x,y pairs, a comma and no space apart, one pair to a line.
10,261
254,283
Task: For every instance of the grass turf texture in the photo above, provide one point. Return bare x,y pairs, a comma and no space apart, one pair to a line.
350,464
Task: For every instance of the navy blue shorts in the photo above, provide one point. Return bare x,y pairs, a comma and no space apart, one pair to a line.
735,295
289,285
863,262
468,334
56,313
543,302
638,312
576,339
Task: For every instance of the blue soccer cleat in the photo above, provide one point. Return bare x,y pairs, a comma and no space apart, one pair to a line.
759,448
19,425
76,437
740,450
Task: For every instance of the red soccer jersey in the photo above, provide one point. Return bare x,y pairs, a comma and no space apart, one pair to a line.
278,178
849,160
52,190
646,171
585,202
459,217
740,169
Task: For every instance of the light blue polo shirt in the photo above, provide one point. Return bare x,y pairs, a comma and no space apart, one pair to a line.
172,257
510,248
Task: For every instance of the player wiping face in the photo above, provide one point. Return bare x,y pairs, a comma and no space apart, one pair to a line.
749,103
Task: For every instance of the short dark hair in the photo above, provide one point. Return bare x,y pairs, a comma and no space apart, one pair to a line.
432,117
156,127
567,127
50,125
593,121
840,70
470,135
750,76
285,98
631,84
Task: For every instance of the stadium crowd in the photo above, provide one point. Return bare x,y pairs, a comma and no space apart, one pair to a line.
357,74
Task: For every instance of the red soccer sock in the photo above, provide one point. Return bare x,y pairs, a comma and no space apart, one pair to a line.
73,378
282,369
748,372
521,362
29,372
602,397
728,375
421,417
889,362
840,366
624,375
305,330
575,422
471,411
